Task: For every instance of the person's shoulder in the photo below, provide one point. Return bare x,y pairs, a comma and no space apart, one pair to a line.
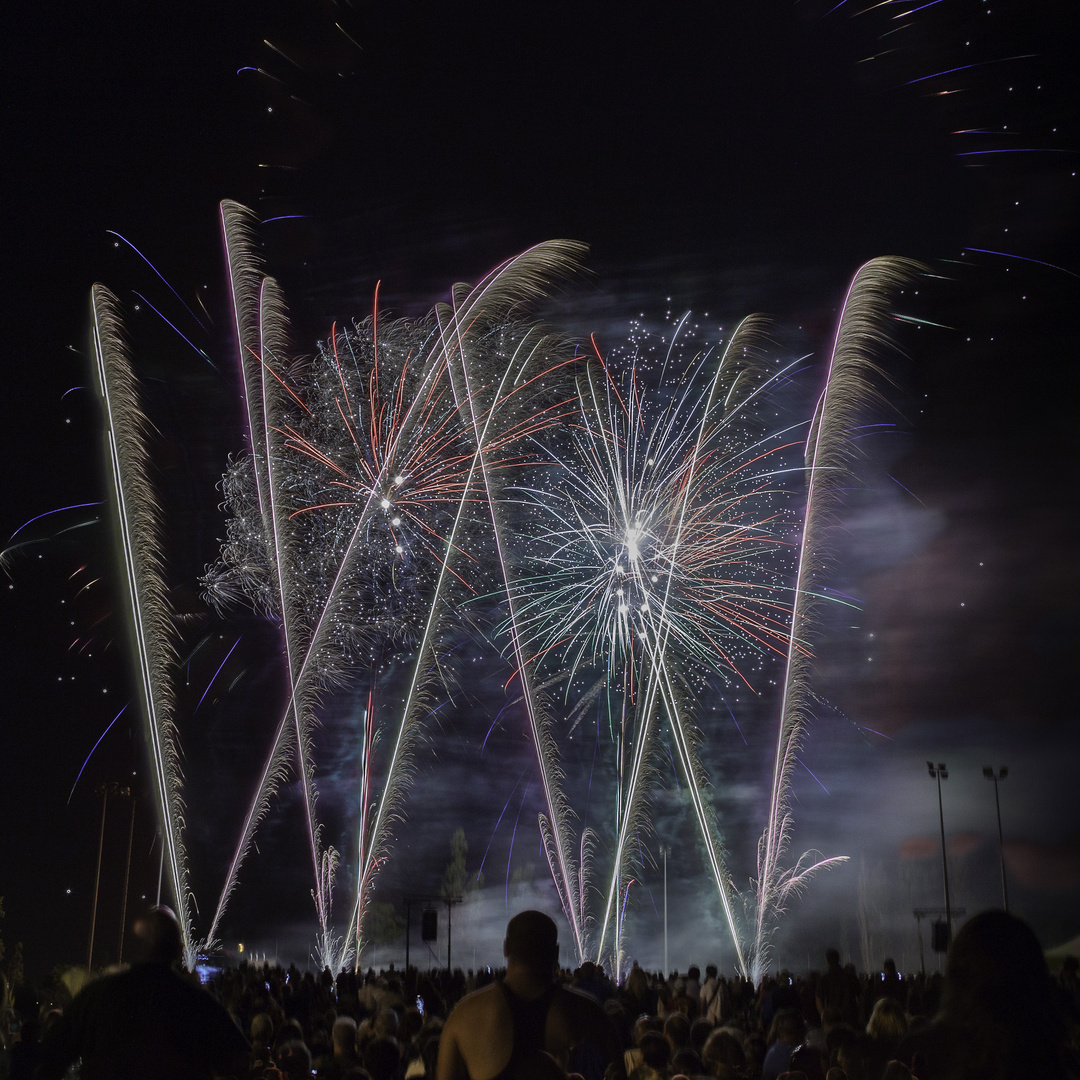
572,997
178,990
104,992
580,1011
477,1001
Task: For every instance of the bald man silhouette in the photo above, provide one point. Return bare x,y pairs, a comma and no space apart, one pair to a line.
525,1026
148,1021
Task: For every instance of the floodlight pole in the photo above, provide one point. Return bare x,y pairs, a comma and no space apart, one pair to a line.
942,773
664,849
989,773
104,792
127,880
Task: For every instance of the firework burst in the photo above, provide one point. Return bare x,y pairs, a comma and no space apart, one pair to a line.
381,469
652,568
848,387
634,528
138,528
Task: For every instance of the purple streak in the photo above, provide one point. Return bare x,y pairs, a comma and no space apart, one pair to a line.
159,274
218,672
91,754
173,325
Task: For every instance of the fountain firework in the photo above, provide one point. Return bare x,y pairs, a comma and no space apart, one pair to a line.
630,526
652,570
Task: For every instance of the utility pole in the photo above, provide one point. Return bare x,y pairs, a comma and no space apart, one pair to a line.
989,773
104,790
942,773
127,879
665,850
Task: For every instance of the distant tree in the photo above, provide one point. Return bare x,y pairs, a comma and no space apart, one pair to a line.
384,925
522,875
457,881
12,970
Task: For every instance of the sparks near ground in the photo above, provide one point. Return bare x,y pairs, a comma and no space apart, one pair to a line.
623,532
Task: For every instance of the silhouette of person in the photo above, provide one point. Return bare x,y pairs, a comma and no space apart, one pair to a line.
146,1021
526,1026
999,1016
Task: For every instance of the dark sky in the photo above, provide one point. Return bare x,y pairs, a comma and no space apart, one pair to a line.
725,158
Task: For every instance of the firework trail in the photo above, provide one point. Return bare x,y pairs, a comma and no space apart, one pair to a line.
464,320
379,464
657,559
260,322
848,388
474,322
349,529
374,497
151,621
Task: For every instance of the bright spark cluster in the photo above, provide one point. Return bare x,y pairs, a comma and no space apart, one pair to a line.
661,524
375,441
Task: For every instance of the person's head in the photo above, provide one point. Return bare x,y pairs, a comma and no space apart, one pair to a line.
687,1062
382,1058
887,1022
998,993
723,1053
262,1029
655,1051
896,1070
710,971
788,1026
832,959
344,1036
386,1023
289,1031
700,1030
158,937
995,967
646,1023
754,1048
808,1061
677,1030
831,1016
532,942
637,982
837,1036
854,1057
294,1060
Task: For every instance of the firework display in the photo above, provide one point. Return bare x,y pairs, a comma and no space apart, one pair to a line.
628,523
138,526
356,516
651,569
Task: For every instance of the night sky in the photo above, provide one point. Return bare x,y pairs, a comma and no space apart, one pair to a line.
719,158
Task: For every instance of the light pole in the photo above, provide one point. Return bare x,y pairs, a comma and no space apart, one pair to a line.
942,773
989,773
664,850
104,790
127,879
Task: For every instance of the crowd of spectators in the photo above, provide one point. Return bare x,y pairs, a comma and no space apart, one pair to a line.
995,1013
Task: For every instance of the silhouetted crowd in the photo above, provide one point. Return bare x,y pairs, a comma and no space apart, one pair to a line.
996,1013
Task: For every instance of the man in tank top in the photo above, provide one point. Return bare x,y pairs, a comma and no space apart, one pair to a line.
526,1026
